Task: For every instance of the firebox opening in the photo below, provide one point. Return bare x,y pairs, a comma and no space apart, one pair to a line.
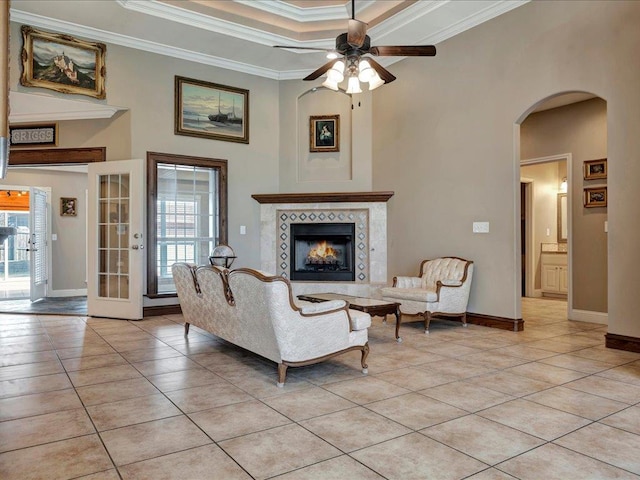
323,252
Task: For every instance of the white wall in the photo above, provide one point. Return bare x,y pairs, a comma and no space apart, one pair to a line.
452,155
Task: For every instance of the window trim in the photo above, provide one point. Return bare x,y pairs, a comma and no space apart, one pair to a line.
153,159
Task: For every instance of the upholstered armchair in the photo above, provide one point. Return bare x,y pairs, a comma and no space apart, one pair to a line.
441,289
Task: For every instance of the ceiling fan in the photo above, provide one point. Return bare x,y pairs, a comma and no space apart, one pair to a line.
353,45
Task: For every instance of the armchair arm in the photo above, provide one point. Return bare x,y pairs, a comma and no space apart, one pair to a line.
452,295
451,283
322,307
407,282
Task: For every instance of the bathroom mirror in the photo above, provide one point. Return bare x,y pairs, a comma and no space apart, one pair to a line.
562,218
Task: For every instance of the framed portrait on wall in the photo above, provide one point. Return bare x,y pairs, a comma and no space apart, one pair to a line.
595,169
324,133
68,207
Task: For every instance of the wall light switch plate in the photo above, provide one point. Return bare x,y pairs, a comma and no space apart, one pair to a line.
54,237
480,227
606,226
243,229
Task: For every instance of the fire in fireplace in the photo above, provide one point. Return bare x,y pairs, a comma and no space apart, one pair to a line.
322,251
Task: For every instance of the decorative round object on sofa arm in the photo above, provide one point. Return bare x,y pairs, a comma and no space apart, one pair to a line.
222,256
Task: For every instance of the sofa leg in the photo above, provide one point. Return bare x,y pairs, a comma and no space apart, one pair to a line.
464,319
282,374
365,354
186,328
427,321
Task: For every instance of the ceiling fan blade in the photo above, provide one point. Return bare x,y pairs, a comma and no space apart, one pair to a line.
356,33
404,51
385,74
323,69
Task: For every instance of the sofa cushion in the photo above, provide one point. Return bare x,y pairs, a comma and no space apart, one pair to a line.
415,294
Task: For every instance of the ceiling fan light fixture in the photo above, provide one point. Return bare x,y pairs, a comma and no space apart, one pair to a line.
332,55
375,82
354,85
336,73
366,73
330,84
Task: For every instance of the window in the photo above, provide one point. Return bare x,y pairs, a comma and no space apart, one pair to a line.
187,208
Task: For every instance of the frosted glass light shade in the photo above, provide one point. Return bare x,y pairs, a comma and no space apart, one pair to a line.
366,72
375,82
336,73
330,84
354,85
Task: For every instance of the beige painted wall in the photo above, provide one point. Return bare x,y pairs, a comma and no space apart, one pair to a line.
451,152
68,252
579,129
545,180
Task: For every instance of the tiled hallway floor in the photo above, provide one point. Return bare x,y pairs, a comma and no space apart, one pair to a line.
106,399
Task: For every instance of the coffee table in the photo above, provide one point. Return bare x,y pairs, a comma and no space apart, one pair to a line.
372,306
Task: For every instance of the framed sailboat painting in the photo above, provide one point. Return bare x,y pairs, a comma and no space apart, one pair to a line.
209,110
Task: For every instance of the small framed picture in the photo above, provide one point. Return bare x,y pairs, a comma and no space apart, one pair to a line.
68,207
595,197
324,133
595,169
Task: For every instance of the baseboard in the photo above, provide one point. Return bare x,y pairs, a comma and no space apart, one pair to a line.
503,323
156,310
78,292
622,342
588,316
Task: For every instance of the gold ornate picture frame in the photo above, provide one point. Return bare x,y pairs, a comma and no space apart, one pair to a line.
62,63
595,197
324,133
595,169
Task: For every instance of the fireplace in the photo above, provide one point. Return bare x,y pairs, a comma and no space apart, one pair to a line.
322,251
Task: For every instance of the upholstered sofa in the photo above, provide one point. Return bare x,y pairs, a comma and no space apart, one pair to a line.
257,312
441,289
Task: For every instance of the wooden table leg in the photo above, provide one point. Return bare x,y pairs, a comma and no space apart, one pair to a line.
398,316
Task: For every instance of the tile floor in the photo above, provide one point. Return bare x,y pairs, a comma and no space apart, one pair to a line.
107,399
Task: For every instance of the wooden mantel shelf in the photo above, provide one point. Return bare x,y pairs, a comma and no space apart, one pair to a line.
333,197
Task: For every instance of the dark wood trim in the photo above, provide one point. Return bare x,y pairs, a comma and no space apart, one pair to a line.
334,197
153,158
158,310
53,156
503,323
622,342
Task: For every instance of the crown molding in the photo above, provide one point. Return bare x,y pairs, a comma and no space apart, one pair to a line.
28,107
140,44
299,14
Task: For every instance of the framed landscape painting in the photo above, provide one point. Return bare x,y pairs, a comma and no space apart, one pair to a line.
595,169
324,133
62,63
595,197
209,110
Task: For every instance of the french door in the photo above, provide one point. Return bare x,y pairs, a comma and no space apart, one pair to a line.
37,243
115,247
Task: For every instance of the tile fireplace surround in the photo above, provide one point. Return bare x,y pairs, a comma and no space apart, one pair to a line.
367,210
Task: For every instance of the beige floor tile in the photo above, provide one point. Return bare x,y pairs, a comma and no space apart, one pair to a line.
447,349
553,345
415,456
605,387
324,373
416,411
577,402
466,396
354,429
494,359
38,404
487,441
30,370
414,378
340,468
491,474
153,439
26,386
94,361
206,462
607,444
73,352
111,474
608,355
59,460
534,419
165,365
628,420
279,450
527,352
308,403
510,383
573,362
93,376
123,346
107,416
193,377
115,391
457,369
51,427
194,399
552,462
629,373
365,390
145,354
229,421
29,357
546,373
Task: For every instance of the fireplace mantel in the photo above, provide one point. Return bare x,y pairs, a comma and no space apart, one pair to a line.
335,197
